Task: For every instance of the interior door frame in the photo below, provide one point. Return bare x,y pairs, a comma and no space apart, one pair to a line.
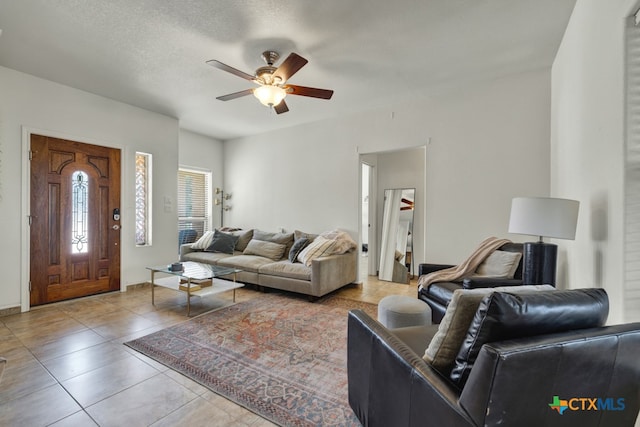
372,262
373,220
25,208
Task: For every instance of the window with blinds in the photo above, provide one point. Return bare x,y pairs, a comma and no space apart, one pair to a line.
632,173
194,200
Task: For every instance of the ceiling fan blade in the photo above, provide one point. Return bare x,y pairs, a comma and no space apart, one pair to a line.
235,95
227,68
289,67
281,108
309,91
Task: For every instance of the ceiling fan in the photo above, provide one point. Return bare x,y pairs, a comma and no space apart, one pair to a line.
273,81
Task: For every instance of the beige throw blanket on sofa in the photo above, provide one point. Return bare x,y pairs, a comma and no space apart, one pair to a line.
467,267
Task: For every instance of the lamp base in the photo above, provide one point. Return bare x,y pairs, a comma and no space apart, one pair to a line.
539,263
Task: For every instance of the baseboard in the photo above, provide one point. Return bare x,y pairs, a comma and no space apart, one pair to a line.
134,286
9,311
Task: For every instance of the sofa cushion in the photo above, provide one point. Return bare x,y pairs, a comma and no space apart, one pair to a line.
500,264
250,263
445,345
204,241
271,250
297,234
282,238
222,242
318,248
507,315
297,247
244,236
286,269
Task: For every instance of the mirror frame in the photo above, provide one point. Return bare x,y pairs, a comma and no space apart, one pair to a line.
396,248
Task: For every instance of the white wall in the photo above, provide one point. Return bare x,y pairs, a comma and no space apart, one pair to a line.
30,103
203,152
587,144
489,143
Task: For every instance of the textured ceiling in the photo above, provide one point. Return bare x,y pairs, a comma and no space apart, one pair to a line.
152,53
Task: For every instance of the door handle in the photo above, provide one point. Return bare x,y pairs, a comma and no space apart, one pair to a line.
116,227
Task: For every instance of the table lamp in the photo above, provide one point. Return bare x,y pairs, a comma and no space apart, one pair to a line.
543,217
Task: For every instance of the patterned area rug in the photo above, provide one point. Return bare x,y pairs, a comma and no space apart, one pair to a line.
280,357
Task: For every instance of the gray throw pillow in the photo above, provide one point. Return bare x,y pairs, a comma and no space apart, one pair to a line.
244,236
270,250
282,238
500,264
297,247
222,242
297,234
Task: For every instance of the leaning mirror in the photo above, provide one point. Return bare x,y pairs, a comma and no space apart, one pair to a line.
396,239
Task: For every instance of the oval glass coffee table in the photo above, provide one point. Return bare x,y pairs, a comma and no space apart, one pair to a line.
196,279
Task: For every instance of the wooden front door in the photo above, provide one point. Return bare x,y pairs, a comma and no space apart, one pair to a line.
75,238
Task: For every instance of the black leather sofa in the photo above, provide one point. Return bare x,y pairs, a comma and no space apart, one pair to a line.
438,294
512,383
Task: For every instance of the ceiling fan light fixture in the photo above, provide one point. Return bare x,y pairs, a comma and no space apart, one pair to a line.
272,81
269,95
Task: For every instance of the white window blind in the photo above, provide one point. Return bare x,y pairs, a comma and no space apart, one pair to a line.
632,174
194,200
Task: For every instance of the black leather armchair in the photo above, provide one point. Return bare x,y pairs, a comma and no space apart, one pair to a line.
512,383
438,294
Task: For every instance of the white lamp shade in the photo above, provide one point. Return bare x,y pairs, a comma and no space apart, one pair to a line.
544,217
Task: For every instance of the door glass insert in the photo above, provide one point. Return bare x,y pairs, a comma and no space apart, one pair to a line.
79,212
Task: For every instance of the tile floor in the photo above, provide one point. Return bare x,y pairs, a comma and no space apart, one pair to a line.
67,366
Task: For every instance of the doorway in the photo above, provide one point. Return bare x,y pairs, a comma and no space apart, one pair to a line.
368,259
74,219
400,168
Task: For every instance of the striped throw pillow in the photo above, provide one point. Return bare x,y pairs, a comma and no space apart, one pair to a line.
203,242
318,248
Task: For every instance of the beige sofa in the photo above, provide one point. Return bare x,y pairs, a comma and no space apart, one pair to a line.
324,274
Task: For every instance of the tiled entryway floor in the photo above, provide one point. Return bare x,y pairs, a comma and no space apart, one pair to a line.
67,366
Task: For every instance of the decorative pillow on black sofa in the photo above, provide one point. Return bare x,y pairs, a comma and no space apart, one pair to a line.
502,316
222,242
452,331
500,264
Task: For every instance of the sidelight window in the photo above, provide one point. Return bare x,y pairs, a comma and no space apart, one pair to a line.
143,199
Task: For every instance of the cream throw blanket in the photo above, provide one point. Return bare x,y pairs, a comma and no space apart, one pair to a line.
466,268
